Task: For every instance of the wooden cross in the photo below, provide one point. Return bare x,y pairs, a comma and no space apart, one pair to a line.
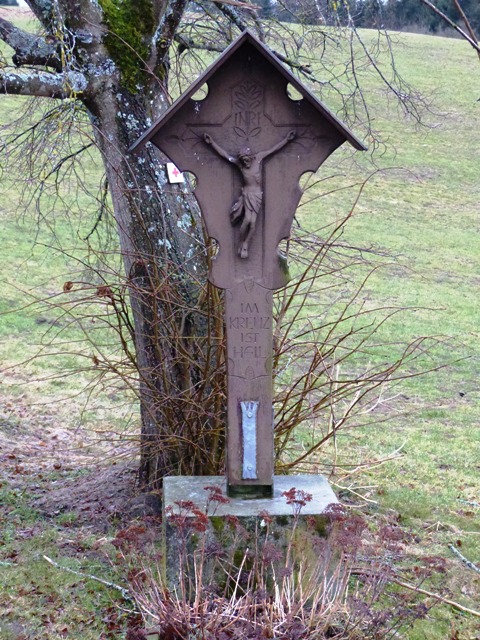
248,143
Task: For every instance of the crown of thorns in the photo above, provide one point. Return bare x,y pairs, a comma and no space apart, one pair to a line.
246,152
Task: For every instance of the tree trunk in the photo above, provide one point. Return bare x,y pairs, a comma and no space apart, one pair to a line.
114,58
164,256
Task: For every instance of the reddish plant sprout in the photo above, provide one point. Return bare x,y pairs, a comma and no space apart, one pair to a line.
188,505
348,534
188,517
261,595
200,521
436,563
180,518
136,575
213,549
232,521
285,572
215,497
266,517
237,530
297,499
136,634
133,537
271,554
346,528
335,511
319,544
430,565
391,537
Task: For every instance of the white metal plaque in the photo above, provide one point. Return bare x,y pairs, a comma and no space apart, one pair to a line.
249,437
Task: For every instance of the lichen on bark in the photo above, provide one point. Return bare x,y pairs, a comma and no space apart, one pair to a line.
130,26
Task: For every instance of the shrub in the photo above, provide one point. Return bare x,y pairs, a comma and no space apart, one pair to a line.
269,590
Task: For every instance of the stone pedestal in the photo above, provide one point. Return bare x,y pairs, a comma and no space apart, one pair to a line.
250,514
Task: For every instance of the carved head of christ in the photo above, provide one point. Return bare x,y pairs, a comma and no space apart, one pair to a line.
245,156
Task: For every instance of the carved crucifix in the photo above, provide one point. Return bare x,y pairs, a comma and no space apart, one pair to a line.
248,206
248,143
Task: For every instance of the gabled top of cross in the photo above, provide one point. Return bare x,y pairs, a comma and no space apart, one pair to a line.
248,143
247,37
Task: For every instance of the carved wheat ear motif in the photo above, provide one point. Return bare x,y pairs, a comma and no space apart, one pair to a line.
247,102
249,437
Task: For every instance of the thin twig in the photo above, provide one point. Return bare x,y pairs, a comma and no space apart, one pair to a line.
125,593
471,503
465,560
436,596
467,22
452,24
241,5
430,594
355,493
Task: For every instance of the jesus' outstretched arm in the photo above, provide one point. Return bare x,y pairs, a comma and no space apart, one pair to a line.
216,147
291,135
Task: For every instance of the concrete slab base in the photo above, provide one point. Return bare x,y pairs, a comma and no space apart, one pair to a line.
192,488
248,513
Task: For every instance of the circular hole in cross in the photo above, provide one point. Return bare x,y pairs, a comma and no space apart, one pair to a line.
293,93
201,93
190,179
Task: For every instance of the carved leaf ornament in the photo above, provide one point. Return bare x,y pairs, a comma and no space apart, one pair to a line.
247,100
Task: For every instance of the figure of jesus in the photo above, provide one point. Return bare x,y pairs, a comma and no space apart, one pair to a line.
248,206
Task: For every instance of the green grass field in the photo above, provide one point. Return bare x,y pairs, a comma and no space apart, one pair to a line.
422,209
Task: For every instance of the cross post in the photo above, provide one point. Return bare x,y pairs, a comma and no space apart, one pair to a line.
248,143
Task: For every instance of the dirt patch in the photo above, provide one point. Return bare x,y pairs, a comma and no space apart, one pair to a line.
68,471
95,496
37,438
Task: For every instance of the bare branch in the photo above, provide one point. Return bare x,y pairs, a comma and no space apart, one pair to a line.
410,101
240,5
165,33
42,84
232,14
29,49
430,594
305,69
123,591
452,24
187,43
465,560
467,22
